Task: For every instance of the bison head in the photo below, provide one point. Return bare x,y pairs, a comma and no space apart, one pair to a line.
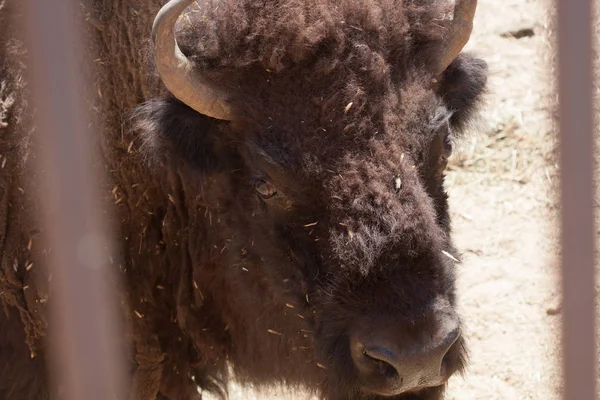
309,140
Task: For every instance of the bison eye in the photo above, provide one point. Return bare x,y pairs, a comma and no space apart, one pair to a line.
447,148
445,155
265,189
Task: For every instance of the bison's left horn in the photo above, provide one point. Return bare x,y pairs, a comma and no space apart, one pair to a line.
459,32
178,73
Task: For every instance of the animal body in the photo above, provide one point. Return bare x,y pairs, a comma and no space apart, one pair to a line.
276,172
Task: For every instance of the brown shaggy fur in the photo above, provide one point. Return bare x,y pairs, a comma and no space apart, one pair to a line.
336,102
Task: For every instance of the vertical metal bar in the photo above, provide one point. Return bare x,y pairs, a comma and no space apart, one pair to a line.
575,18
84,357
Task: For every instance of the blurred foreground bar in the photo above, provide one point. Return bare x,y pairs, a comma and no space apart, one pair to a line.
575,18
84,358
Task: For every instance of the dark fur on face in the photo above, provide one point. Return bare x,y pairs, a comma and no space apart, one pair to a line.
321,210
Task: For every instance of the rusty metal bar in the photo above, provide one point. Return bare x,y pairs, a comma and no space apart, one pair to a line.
575,18
84,357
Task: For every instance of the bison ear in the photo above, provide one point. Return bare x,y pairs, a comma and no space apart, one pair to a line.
462,86
169,128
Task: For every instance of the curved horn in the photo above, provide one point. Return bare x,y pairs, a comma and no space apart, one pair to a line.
178,73
459,33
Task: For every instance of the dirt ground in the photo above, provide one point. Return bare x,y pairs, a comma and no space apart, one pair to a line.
504,213
501,188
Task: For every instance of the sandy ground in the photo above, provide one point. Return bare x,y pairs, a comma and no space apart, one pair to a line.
504,214
501,184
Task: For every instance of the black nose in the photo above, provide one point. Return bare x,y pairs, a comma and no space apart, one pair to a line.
390,363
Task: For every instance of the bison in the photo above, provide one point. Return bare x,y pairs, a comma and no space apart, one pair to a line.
276,172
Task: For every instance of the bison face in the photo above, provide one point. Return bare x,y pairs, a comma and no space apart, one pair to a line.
318,217
333,241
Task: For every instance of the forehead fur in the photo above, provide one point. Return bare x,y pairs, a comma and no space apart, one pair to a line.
280,34
318,74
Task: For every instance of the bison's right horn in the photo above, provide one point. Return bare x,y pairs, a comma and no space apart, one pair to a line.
459,33
178,73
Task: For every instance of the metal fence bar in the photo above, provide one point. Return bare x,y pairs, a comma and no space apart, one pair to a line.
575,18
83,329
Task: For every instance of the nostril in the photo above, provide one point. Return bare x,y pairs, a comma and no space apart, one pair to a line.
444,365
451,338
373,361
449,341
380,361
